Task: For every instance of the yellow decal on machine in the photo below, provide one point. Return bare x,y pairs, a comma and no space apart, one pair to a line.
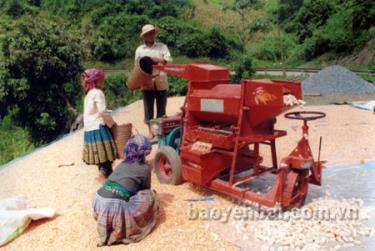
261,96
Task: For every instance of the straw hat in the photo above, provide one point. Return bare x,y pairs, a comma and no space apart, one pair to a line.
147,28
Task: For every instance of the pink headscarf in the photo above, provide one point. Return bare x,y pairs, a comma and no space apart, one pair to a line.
90,76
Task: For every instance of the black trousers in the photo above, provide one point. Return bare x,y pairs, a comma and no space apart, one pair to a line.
149,98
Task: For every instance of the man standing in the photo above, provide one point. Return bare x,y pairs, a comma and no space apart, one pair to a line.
160,54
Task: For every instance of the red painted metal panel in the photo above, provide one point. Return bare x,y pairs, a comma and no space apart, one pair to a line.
232,117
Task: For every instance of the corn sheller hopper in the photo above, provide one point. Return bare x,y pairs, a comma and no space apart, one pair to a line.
215,141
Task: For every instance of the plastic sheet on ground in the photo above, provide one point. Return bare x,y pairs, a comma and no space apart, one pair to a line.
15,217
341,182
365,105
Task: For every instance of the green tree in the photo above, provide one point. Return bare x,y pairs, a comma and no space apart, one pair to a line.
218,46
193,41
243,69
244,8
361,13
14,142
40,77
15,8
311,16
117,36
117,93
287,9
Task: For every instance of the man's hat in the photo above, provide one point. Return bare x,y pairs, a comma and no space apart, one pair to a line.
147,28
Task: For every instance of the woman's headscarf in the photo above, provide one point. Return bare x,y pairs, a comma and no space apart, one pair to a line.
136,149
90,76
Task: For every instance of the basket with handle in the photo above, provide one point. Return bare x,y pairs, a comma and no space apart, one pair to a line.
121,134
141,75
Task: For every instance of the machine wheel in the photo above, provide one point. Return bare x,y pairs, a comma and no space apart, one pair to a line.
295,189
167,165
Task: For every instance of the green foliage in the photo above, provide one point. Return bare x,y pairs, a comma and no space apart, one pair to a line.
336,33
305,51
3,92
274,48
108,30
193,45
35,2
217,45
243,8
177,86
14,8
312,15
287,9
14,142
115,36
117,93
322,26
42,66
155,9
200,44
17,8
192,41
243,69
106,10
258,25
172,29
361,14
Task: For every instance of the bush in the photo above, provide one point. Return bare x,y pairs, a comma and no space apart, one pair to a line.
193,45
14,142
156,8
15,8
177,86
182,36
258,25
217,44
192,41
116,39
243,69
106,10
312,15
40,77
337,34
305,51
172,29
117,93
274,48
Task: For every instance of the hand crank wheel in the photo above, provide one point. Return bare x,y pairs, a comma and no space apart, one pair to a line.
305,115
295,189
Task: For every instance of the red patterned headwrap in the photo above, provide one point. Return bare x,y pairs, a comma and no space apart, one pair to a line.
90,76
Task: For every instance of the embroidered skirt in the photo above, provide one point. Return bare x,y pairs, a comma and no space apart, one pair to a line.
121,221
99,146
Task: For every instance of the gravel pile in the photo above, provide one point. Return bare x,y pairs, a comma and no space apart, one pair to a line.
336,81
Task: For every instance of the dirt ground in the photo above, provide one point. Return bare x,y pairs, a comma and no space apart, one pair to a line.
348,137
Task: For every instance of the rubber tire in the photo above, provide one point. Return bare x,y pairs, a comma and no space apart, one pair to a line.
175,161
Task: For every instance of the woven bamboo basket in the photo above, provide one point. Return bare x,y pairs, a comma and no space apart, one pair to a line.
121,134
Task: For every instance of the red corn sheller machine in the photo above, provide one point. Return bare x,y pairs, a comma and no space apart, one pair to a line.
222,127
